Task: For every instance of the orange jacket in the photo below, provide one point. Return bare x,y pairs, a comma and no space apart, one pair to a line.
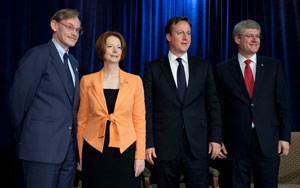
128,122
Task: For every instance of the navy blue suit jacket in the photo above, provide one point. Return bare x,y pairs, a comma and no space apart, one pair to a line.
268,107
166,115
44,110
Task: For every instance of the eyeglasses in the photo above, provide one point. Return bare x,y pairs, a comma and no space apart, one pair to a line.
252,36
71,28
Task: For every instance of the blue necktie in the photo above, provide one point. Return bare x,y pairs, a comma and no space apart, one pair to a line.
66,63
181,81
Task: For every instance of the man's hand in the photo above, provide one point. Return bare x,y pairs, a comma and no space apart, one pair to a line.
150,152
214,149
139,166
283,148
223,153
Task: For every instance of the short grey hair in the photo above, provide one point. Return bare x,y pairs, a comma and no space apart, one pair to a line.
240,27
64,14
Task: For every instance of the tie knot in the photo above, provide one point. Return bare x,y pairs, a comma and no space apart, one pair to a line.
66,55
179,59
248,61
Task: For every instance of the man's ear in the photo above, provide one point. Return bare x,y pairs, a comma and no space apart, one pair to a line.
53,25
168,37
237,39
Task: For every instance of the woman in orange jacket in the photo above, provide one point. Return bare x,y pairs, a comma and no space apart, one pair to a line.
111,120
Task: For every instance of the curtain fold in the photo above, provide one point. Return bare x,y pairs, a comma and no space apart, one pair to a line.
26,24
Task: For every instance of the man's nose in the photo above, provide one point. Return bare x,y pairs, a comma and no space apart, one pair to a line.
254,39
185,36
75,33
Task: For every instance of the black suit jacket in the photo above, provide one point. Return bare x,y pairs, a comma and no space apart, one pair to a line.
166,115
269,106
43,108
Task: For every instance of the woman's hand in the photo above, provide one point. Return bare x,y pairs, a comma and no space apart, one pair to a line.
79,166
139,166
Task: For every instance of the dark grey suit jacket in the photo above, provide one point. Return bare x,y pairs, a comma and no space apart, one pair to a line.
43,108
166,115
269,106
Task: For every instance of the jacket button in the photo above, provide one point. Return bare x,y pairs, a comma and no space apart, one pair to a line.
70,128
252,105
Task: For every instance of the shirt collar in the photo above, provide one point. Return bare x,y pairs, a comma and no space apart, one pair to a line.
60,49
242,59
173,57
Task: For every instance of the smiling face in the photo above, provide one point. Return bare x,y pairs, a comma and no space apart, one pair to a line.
248,42
65,33
113,50
180,38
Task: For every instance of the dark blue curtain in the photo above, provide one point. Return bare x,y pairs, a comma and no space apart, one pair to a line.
25,23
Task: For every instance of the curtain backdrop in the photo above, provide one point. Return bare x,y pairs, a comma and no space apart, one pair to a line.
25,23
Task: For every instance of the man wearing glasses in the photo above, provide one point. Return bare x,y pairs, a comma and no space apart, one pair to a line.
255,112
44,101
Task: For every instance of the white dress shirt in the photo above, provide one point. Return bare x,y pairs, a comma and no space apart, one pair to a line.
252,64
61,53
174,66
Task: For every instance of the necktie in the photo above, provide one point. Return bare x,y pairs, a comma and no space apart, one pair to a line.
181,81
66,57
249,80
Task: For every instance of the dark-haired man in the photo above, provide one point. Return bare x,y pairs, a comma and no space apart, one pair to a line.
44,102
183,116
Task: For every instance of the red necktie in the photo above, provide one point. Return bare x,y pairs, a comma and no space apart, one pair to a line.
249,81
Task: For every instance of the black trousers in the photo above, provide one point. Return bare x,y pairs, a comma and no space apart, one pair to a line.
109,169
195,171
236,171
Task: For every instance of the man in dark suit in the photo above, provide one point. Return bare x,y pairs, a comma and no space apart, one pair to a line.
44,102
254,103
182,111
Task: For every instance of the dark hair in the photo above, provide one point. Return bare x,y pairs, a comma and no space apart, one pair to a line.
175,20
100,46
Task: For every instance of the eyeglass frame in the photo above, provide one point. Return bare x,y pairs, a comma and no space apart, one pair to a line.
252,36
71,28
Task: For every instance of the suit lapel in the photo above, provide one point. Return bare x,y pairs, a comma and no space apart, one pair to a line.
238,76
98,90
60,69
191,81
259,75
75,70
124,89
166,70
